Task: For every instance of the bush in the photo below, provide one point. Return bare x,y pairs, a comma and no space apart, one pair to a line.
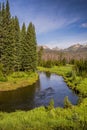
51,104
81,68
67,103
47,64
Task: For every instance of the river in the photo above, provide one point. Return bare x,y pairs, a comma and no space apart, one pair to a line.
49,86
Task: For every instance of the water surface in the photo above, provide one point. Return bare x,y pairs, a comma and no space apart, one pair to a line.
47,87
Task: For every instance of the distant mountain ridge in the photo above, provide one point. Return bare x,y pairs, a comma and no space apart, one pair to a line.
76,51
77,47
72,48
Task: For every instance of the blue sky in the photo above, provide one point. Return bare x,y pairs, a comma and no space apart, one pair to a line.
58,22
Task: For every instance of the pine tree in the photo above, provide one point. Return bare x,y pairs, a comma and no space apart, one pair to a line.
17,49
31,56
7,40
40,53
23,47
2,32
34,64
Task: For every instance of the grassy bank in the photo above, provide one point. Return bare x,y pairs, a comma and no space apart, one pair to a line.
74,118
77,83
60,70
43,119
17,80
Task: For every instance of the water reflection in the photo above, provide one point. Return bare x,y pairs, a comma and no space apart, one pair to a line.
48,86
48,74
20,99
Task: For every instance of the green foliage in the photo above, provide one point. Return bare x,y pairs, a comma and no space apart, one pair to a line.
31,54
40,53
17,45
51,105
77,83
41,119
73,75
23,47
17,48
50,63
18,52
71,117
60,70
18,80
2,77
63,62
81,67
67,103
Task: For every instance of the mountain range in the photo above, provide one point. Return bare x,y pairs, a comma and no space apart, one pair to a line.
77,47
76,51
73,48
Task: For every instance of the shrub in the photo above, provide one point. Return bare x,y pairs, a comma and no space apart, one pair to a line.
51,104
67,103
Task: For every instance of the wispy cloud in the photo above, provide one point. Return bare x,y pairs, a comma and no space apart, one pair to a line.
46,15
55,20
46,23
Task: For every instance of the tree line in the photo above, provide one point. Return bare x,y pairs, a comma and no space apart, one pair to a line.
17,45
50,62
80,66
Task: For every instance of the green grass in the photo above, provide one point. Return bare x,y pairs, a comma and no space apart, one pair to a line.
17,80
41,118
76,83
82,87
60,70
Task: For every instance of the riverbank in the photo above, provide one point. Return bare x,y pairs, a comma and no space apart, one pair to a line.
18,80
77,83
43,119
74,118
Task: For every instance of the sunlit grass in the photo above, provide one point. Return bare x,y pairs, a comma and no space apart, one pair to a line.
60,70
17,80
43,119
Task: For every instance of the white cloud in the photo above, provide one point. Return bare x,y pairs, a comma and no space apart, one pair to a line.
45,23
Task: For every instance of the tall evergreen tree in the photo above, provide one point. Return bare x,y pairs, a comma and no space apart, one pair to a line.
17,49
23,47
40,53
2,32
7,41
34,63
31,56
